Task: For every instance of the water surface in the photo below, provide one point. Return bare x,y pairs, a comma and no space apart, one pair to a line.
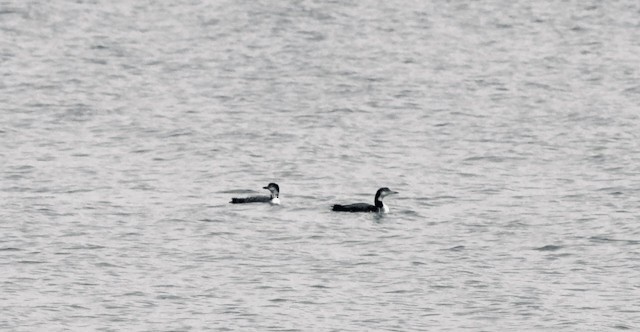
509,129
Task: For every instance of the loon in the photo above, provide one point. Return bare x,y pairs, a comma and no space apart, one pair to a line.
364,207
273,199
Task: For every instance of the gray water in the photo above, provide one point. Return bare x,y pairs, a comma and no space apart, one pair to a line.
510,129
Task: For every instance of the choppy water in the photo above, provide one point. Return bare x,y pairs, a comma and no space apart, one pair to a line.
510,129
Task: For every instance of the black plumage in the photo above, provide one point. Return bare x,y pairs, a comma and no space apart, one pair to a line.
377,206
272,187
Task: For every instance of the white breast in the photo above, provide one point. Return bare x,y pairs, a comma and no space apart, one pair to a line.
275,201
384,208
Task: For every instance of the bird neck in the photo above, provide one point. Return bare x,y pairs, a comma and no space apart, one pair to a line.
378,201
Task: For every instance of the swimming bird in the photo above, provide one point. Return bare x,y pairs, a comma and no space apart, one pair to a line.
273,199
378,206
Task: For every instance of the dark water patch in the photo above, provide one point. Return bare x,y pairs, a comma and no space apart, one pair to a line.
562,255
144,187
125,214
20,169
284,238
10,249
344,110
113,306
74,234
603,239
573,196
214,258
468,175
622,327
173,220
238,191
580,262
399,291
15,188
409,213
588,308
553,257
265,287
9,11
178,133
610,189
213,220
75,306
319,286
135,293
210,22
75,191
392,236
477,115
443,197
282,329
140,151
220,233
549,247
86,247
97,61
165,286
516,224
30,262
579,289
476,283
278,299
492,159
168,297
456,248
442,286
363,263
80,154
